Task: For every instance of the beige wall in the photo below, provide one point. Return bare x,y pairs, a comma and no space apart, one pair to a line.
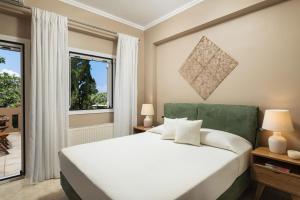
20,27
96,44
265,43
90,119
15,26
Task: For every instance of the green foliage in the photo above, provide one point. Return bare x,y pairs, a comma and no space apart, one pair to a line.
84,93
100,100
2,59
10,90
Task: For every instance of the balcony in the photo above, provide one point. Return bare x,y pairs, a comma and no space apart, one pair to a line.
10,142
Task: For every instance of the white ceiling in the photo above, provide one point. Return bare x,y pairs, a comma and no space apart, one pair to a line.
140,14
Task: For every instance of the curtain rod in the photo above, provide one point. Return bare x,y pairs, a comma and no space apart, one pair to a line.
72,24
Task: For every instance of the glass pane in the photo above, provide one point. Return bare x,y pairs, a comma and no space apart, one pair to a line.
10,90
89,84
10,110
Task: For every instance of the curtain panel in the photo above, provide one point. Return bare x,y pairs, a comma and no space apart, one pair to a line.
125,92
49,103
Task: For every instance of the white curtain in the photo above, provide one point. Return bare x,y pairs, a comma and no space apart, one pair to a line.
125,95
49,94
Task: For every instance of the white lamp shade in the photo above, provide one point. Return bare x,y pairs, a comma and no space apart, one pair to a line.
278,121
147,109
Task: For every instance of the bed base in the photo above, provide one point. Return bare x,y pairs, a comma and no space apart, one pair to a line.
68,189
233,193
238,187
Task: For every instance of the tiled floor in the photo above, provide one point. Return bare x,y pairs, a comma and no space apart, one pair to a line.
51,190
19,190
10,164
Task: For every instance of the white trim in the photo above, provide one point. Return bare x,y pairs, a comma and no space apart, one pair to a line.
85,112
92,53
102,13
130,23
172,13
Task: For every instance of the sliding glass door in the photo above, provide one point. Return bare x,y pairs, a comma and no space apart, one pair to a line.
11,110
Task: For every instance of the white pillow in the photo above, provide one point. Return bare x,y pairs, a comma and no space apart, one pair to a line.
224,140
158,129
170,128
188,132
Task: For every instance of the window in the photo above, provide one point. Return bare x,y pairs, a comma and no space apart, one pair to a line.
91,82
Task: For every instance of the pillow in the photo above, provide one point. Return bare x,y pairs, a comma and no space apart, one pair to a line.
158,129
170,128
224,140
188,132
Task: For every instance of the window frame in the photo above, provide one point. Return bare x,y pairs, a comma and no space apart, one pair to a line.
110,91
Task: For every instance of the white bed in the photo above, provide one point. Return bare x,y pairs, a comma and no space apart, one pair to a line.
143,166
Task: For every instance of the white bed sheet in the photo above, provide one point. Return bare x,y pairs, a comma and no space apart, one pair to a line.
145,167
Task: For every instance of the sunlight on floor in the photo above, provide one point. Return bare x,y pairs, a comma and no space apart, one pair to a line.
10,165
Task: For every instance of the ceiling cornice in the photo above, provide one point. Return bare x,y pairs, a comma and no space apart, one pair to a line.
172,13
130,23
102,13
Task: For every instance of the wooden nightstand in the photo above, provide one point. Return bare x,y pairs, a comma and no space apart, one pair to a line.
265,176
140,129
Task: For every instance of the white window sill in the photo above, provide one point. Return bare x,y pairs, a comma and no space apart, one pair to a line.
85,112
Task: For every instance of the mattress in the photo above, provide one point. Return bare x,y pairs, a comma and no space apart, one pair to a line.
143,166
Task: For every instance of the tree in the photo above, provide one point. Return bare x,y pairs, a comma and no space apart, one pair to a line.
100,99
83,85
10,90
2,59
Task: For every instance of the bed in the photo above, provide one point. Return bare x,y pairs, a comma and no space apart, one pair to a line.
143,166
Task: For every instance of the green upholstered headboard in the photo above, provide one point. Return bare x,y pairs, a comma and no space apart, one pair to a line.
236,119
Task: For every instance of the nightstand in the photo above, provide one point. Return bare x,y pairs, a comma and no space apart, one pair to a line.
140,129
275,170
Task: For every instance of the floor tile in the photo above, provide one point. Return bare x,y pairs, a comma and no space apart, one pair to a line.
10,165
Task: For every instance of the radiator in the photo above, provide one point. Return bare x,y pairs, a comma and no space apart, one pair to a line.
89,134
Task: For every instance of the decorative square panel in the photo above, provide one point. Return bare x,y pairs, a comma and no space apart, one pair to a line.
206,67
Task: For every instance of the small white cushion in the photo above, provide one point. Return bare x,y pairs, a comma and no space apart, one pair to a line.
157,129
188,132
224,140
170,128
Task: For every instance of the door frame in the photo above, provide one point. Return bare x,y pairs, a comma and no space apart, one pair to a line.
25,71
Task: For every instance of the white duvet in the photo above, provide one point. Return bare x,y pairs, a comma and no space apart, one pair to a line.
142,167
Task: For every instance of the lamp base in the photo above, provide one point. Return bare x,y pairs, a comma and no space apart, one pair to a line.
277,143
148,121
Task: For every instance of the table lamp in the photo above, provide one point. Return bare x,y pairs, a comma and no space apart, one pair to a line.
148,110
277,121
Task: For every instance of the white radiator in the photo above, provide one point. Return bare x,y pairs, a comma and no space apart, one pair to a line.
88,134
